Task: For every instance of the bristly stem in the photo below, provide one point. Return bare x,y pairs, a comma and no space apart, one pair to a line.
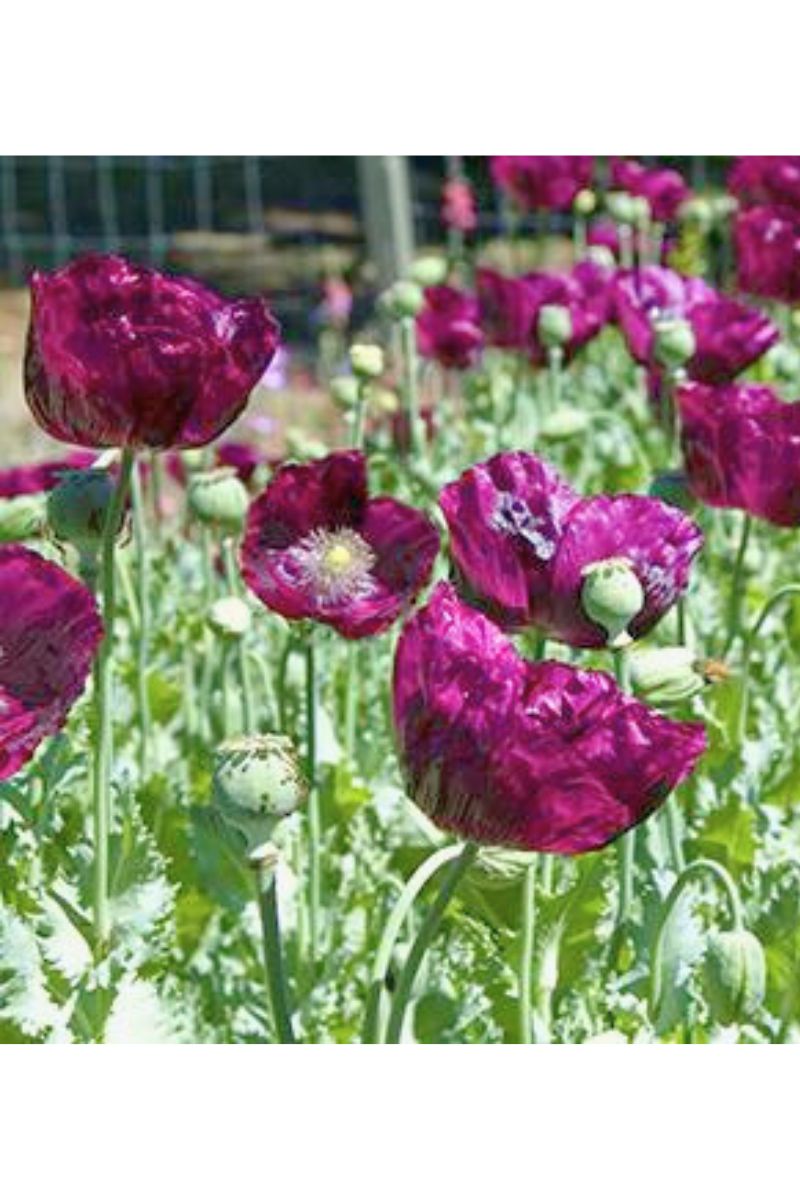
453,876
737,586
235,588
143,638
103,700
526,953
314,820
266,877
626,846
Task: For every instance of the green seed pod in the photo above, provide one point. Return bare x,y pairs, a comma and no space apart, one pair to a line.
229,617
698,212
621,207
554,326
219,498
367,361
585,202
77,507
345,391
784,361
665,675
565,422
673,343
429,271
734,972
611,597
22,517
257,782
403,299
672,487
642,213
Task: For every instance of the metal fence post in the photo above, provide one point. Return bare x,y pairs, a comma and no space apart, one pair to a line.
386,207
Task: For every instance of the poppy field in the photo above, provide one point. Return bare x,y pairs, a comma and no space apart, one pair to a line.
477,724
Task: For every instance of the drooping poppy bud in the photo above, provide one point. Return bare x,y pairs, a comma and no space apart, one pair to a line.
665,675
734,971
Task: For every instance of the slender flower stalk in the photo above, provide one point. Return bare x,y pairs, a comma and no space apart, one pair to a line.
266,883
104,683
526,953
626,847
143,631
235,587
784,593
314,817
410,366
736,601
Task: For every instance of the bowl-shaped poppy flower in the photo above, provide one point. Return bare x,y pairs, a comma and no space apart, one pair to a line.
510,307
741,447
318,547
766,179
43,476
522,541
541,181
531,755
448,329
729,336
665,190
49,632
767,242
121,355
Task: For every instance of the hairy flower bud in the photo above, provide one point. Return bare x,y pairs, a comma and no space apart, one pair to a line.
219,498
585,202
734,972
612,596
554,326
22,517
257,782
403,299
430,271
77,507
367,361
665,675
673,343
344,391
229,617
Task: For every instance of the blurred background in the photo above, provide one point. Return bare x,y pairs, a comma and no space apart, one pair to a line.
318,236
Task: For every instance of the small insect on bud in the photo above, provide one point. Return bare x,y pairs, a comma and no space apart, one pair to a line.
219,498
734,973
77,508
229,617
585,202
257,782
611,597
429,271
672,487
673,343
563,423
665,675
367,361
344,391
22,517
403,299
554,326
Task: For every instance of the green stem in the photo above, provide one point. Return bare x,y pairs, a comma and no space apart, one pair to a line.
737,586
351,700
359,416
273,955
143,638
313,809
555,364
391,932
791,589
626,846
409,344
235,588
698,867
526,954
103,700
427,932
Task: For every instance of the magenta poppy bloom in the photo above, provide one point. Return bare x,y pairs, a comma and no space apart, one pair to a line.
49,632
665,190
741,447
318,547
459,210
448,329
604,233
244,457
120,355
767,242
522,540
542,182
758,180
510,307
531,755
729,335
43,476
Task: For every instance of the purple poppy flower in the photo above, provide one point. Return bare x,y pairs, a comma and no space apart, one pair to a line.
767,242
244,457
741,447
120,355
532,755
318,547
664,189
510,307
49,632
729,335
604,233
542,182
43,476
758,180
448,329
522,541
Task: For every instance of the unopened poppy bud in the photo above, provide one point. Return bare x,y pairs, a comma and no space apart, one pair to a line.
554,325
611,597
194,460
621,207
385,401
784,361
585,202
601,256
229,617
563,423
403,299
734,973
429,271
257,782
219,498
640,208
345,391
77,507
697,211
673,343
665,675
672,487
724,206
366,361
22,517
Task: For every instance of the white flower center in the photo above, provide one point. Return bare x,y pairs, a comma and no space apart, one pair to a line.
335,564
